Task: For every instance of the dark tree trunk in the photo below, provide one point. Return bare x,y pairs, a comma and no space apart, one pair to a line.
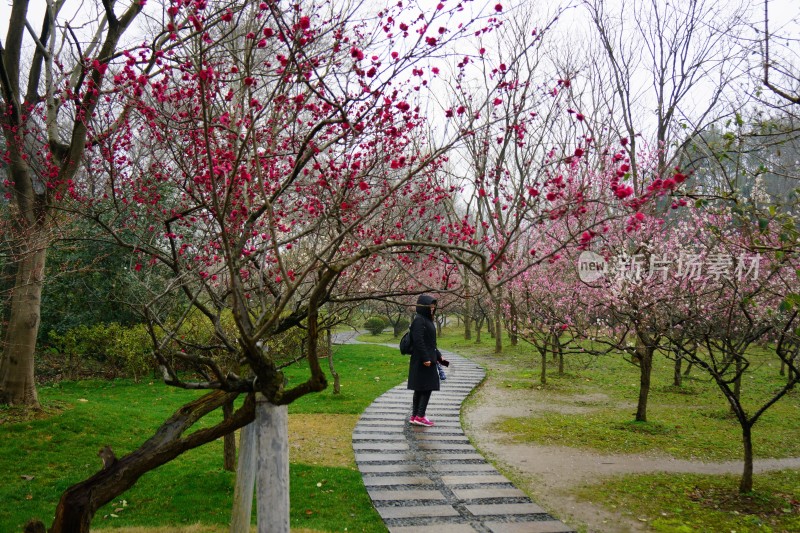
677,377
543,366
229,442
514,325
746,483
7,277
33,200
467,309
337,382
498,326
17,383
737,384
555,342
80,502
645,357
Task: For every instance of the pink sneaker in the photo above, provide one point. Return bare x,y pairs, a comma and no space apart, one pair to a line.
414,420
422,421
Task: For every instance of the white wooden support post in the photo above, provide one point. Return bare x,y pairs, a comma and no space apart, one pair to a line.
272,485
245,480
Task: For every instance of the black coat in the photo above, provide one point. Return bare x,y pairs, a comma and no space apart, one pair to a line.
423,339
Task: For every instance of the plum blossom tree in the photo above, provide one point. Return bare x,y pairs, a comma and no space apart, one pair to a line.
512,163
742,297
619,223
544,298
50,101
274,161
629,231
655,58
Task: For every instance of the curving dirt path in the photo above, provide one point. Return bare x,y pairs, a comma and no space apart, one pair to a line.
549,472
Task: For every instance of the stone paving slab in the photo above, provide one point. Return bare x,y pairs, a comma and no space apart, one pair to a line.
431,479
478,494
394,446
474,480
545,526
464,467
435,528
438,423
439,427
378,495
428,437
505,509
474,456
389,468
375,481
384,457
444,446
419,511
377,437
382,425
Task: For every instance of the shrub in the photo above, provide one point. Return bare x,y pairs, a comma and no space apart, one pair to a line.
111,350
401,325
133,351
105,348
375,325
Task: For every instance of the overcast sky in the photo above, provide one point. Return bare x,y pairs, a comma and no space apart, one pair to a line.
784,13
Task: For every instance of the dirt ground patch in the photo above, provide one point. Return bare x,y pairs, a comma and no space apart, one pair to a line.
549,473
322,439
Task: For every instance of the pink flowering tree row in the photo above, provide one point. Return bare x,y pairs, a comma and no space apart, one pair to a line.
702,284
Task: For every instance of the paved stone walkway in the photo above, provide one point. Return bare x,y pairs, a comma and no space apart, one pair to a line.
425,479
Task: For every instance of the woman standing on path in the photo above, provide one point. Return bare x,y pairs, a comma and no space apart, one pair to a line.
423,377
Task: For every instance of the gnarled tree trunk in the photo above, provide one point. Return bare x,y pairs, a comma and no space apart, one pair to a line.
80,502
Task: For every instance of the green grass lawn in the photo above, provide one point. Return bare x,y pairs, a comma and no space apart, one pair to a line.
686,503
690,422
42,457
